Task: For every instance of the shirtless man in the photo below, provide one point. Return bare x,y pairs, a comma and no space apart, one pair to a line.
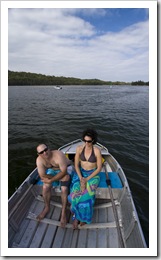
58,162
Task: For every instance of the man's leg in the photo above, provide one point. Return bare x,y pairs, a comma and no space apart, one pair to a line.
64,195
46,196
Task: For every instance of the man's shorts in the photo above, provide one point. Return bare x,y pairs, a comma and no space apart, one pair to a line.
69,171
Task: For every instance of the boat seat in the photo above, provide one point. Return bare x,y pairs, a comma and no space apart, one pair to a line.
114,178
102,190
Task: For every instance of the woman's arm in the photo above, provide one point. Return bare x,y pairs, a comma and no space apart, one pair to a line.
77,168
77,162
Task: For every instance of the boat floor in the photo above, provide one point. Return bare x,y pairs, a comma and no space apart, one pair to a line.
48,233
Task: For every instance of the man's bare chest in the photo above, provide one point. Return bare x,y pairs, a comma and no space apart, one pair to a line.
52,164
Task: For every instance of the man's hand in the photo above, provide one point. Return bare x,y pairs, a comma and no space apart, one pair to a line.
47,180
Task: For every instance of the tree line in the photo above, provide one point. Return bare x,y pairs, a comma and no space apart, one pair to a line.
28,78
139,83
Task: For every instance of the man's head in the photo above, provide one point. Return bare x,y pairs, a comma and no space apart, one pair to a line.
42,150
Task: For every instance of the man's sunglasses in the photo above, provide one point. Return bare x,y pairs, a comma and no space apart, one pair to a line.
45,150
87,141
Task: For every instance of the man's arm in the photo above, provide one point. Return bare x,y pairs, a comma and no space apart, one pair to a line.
63,171
41,169
57,177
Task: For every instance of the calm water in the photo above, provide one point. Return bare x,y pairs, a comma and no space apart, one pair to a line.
120,115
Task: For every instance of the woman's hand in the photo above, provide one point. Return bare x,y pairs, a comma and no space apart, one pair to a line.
83,184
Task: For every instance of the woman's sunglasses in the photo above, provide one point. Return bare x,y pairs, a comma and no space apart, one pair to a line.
45,150
87,141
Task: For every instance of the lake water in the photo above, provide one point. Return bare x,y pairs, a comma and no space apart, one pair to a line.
42,114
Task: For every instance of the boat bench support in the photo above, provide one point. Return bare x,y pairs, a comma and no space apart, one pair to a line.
68,225
59,205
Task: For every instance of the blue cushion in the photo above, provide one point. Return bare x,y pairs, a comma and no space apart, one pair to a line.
102,183
113,176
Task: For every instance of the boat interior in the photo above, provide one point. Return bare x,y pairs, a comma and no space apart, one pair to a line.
26,232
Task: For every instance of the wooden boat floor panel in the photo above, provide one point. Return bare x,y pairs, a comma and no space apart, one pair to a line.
49,234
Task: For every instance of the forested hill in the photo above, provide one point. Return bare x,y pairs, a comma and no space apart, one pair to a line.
27,78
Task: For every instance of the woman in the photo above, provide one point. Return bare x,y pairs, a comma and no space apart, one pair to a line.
88,163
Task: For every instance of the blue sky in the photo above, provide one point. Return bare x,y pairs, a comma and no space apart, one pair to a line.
114,19
104,43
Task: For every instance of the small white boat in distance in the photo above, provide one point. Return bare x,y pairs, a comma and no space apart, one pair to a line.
115,220
57,87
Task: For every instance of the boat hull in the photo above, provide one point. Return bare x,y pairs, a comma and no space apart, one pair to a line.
115,221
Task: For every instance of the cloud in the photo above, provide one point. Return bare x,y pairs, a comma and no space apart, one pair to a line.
61,43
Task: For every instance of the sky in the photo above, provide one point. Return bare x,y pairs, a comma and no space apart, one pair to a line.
107,44
110,44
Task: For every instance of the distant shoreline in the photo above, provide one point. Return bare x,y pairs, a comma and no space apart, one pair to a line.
34,79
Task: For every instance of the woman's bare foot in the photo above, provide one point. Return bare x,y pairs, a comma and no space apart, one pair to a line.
82,223
43,214
75,224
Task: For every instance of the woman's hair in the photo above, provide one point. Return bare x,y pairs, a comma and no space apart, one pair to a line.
91,133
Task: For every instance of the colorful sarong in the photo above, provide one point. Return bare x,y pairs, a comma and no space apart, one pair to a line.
82,202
